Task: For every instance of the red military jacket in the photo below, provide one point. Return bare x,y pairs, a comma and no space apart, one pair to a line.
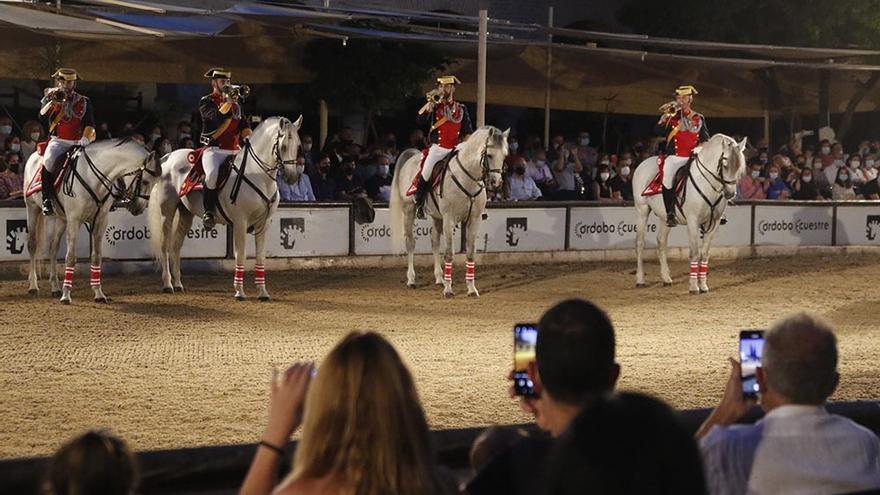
684,133
449,121
68,120
218,129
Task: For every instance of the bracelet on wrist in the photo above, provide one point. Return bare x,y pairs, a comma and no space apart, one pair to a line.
273,448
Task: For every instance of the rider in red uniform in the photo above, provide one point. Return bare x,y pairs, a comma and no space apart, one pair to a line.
449,122
684,130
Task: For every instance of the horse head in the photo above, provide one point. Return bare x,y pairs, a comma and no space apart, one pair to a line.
138,191
288,148
493,153
731,162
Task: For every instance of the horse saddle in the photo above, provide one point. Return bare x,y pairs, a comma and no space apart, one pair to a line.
436,174
195,179
656,185
36,184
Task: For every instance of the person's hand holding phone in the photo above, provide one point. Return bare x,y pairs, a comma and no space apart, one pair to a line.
287,396
734,404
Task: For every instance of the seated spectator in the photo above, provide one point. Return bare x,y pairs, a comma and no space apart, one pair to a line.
566,170
871,190
379,186
363,428
751,186
32,134
521,187
5,131
602,185
155,135
307,152
301,190
798,447
856,172
13,175
323,185
821,178
775,186
621,184
513,147
540,172
842,189
96,462
832,168
491,442
184,130
162,146
804,188
365,171
587,155
348,185
13,144
626,444
186,143
574,365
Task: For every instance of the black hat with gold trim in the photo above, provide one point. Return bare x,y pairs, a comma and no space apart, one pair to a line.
218,73
685,91
65,75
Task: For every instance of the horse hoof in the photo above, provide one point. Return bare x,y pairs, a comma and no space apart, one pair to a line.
667,284
641,286
65,302
33,292
411,286
178,289
475,295
704,291
694,292
168,290
101,300
240,298
448,295
56,293
265,298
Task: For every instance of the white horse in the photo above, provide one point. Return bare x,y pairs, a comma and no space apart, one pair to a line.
459,199
709,184
246,202
87,193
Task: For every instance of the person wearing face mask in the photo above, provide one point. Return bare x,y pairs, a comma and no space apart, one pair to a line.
71,122
804,187
775,187
586,154
5,130
856,173
521,187
513,147
621,184
323,184
154,137
842,189
307,151
13,143
33,132
871,190
602,184
301,190
379,185
162,147
11,176
541,174
184,130
348,184
751,186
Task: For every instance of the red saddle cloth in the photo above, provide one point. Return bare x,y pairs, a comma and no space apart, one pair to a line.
36,183
656,185
193,180
436,174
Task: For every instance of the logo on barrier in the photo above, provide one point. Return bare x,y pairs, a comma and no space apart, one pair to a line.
872,227
202,233
115,235
374,231
796,226
16,236
516,226
291,229
622,228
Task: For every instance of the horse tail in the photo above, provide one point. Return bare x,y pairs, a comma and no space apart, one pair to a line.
154,218
398,244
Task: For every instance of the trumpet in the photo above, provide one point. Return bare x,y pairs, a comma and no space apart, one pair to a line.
434,96
670,108
57,95
236,90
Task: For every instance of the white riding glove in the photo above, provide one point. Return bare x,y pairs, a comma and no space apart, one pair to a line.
84,141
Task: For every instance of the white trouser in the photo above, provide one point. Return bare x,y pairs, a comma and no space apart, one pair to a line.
435,154
212,158
56,148
671,166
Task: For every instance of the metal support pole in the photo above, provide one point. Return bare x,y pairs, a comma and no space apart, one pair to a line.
481,71
547,81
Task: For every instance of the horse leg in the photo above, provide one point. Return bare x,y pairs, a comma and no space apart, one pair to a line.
694,254
69,262
239,245
449,237
436,232
259,267
95,272
35,229
58,229
165,250
642,212
472,230
184,223
409,218
704,261
662,244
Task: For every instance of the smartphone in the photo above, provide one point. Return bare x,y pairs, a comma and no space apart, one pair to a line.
525,336
751,347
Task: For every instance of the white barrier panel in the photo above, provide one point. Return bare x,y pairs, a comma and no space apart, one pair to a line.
375,238
297,232
793,225
858,225
14,220
128,238
522,229
614,227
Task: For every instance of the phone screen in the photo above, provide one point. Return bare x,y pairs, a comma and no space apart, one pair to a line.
525,336
751,347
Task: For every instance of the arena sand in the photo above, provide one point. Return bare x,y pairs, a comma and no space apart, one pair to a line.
167,371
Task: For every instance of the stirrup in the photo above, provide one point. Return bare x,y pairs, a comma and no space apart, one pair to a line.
420,211
671,221
48,208
208,220
723,220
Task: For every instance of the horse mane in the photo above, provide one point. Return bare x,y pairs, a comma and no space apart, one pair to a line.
105,144
489,135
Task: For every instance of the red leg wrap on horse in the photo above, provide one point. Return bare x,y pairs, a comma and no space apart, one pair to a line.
447,272
469,271
259,274
704,270
68,277
695,270
238,278
96,276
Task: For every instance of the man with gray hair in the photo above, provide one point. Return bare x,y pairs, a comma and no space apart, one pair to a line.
798,447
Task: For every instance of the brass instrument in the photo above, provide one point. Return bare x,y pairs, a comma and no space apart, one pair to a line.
670,108
435,96
57,95
237,90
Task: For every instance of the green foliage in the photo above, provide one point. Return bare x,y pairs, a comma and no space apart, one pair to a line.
809,23
372,74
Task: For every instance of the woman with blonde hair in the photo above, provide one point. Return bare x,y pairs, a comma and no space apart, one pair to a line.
364,431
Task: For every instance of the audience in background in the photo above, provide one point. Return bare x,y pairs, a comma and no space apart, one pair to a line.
798,447
323,186
93,463
301,190
519,185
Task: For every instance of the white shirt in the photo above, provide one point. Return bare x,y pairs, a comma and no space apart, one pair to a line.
539,172
792,450
522,187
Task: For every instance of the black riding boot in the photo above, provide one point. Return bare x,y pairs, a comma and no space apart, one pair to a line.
210,204
421,196
669,203
48,182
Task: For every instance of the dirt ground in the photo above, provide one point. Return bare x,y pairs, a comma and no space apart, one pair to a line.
167,371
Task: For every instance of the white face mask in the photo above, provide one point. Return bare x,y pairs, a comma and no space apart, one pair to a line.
826,150
626,161
605,162
540,163
185,135
604,175
14,147
807,178
383,169
300,169
756,174
624,171
774,175
307,146
514,146
839,163
35,136
844,177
